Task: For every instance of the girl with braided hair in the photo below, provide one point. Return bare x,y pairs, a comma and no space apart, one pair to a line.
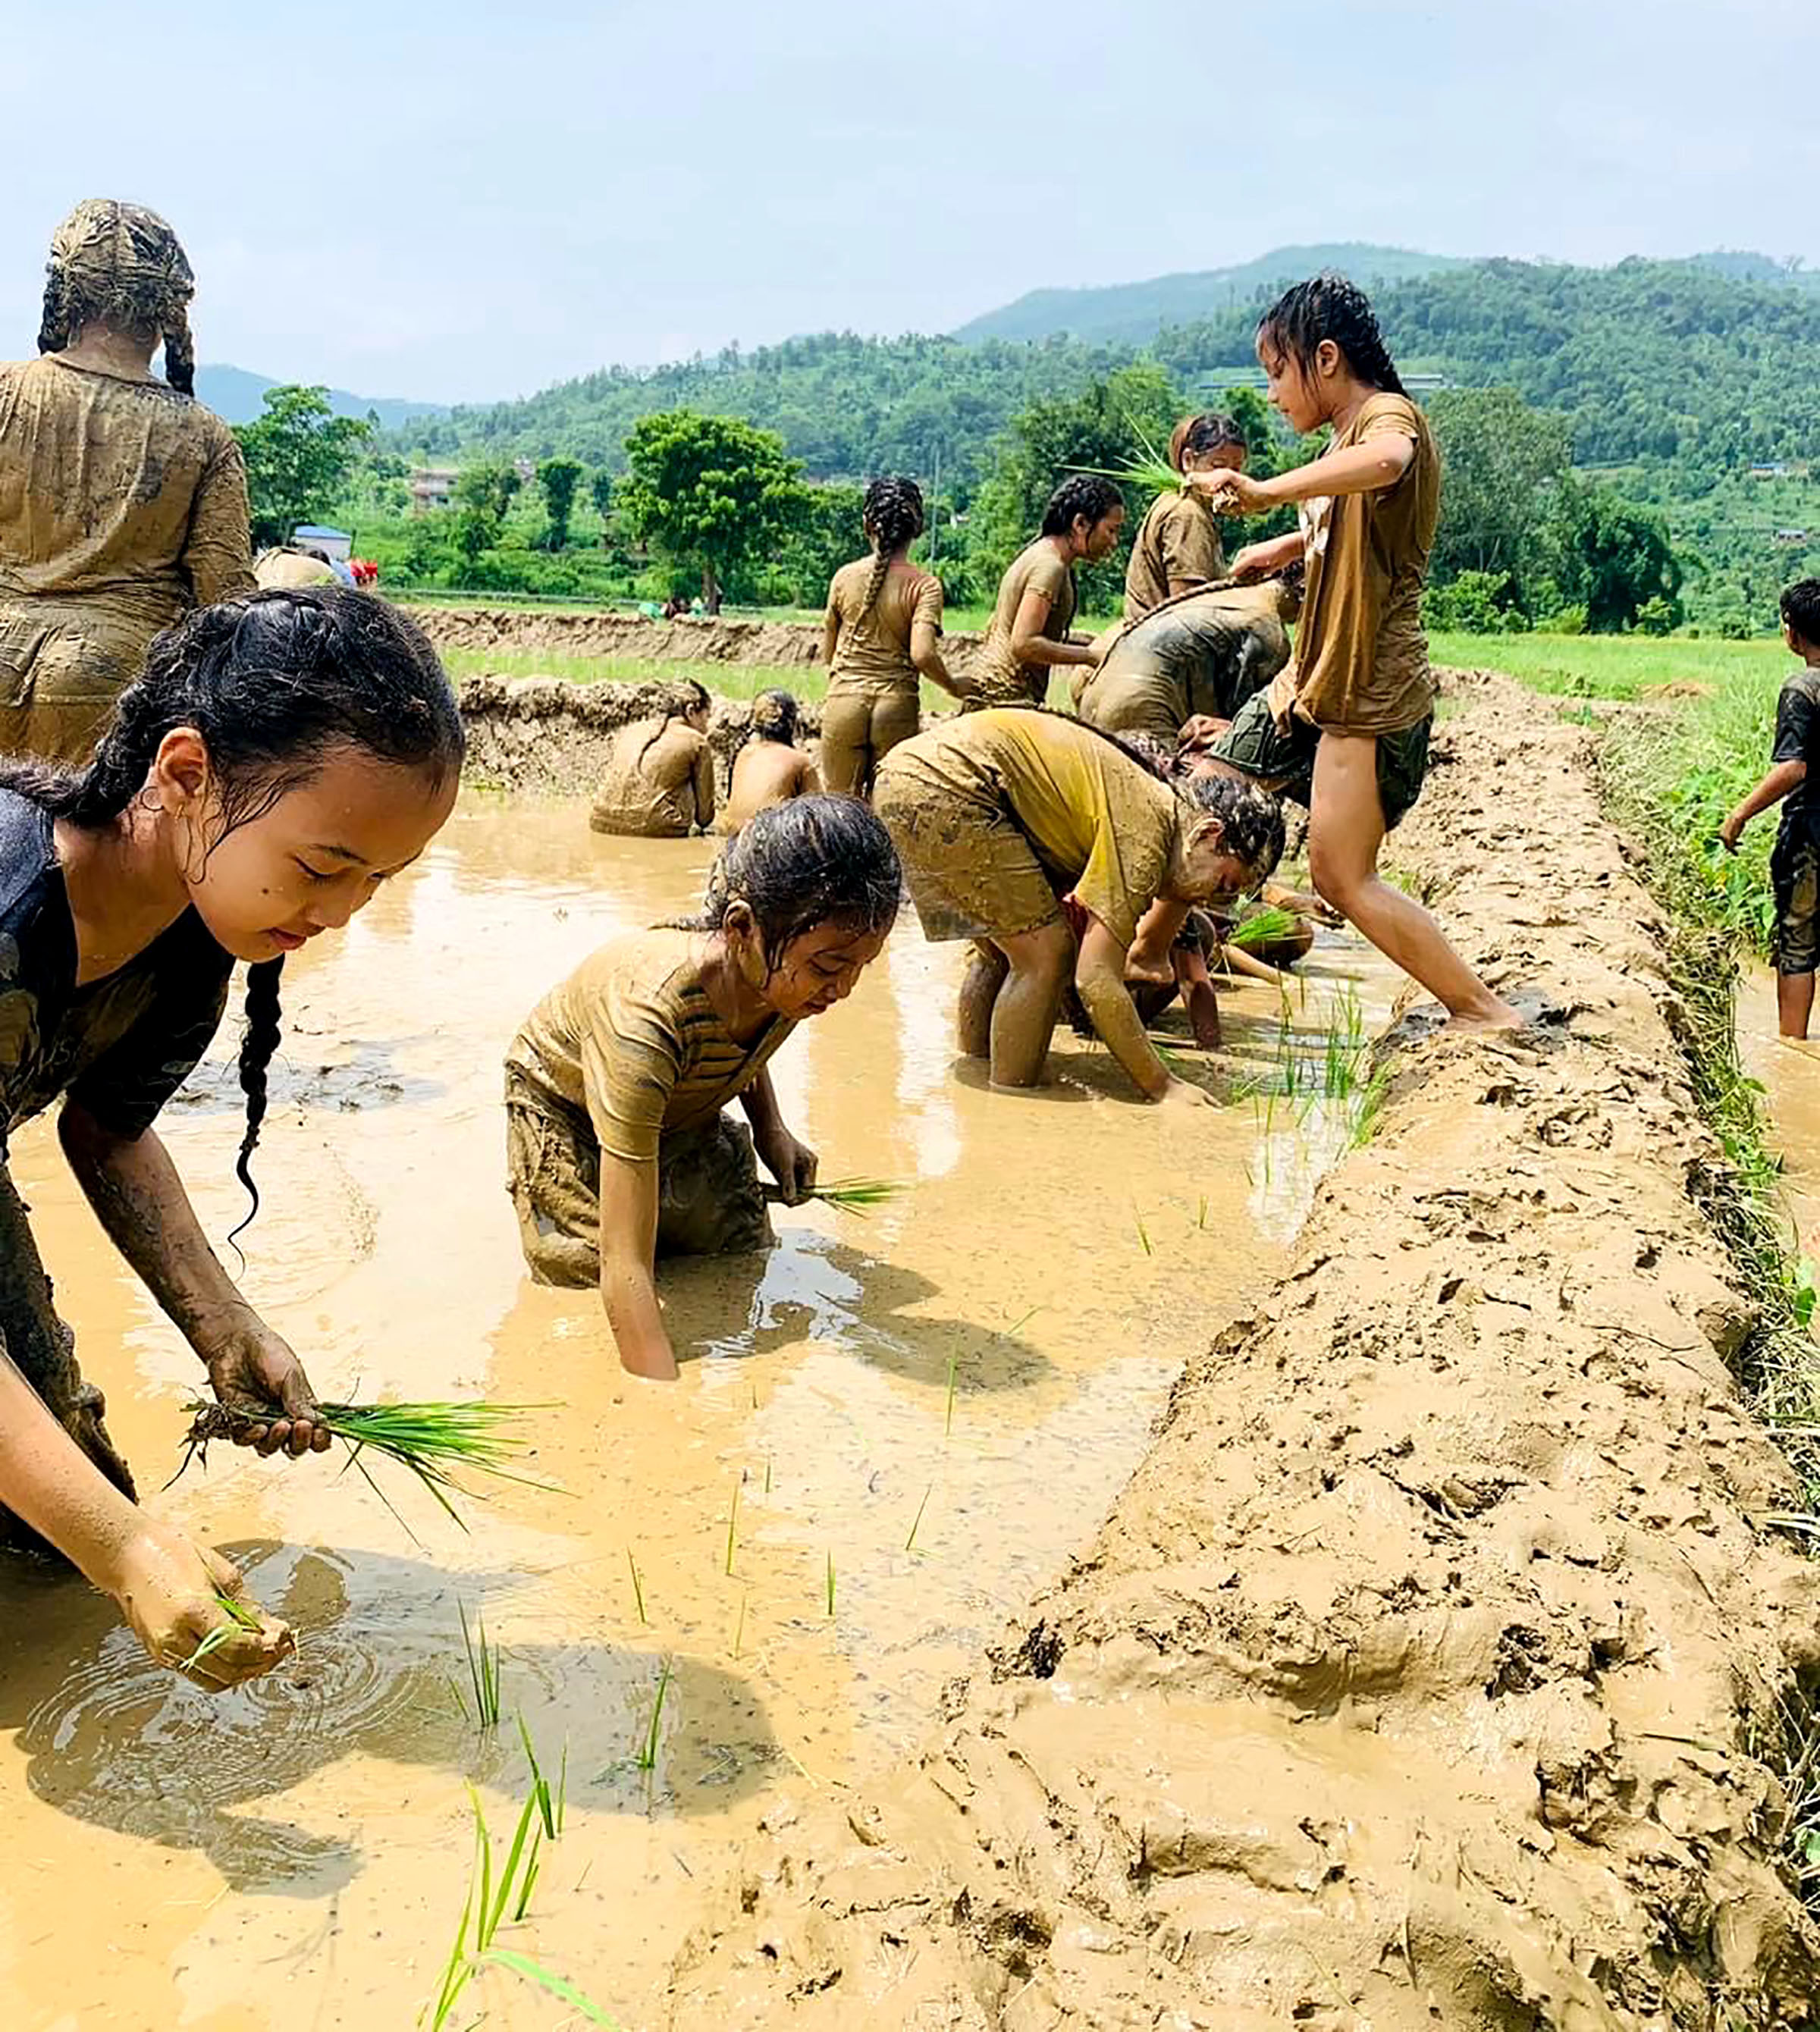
881,636
1344,727
1037,596
122,500
1177,549
770,767
282,756
617,1148
1000,815
659,780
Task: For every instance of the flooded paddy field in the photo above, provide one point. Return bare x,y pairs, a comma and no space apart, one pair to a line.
889,1433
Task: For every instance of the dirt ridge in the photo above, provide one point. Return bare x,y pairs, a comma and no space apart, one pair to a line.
1425,1673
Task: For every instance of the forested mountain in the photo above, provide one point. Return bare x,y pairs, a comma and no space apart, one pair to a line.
1649,360
1133,313
238,397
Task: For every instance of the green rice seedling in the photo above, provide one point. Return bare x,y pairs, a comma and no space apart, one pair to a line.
768,1474
564,1992
435,1441
550,1805
739,1627
860,1196
1147,467
238,1618
948,1419
528,1882
1143,1232
646,1759
637,1589
909,1543
1201,1217
831,1586
482,1669
1262,927
733,1527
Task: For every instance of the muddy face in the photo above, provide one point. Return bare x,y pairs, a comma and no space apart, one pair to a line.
1100,539
819,969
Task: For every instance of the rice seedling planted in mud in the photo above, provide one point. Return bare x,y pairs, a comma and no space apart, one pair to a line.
831,1584
552,1807
433,1440
238,1618
483,1671
733,1525
909,1543
646,1758
637,1590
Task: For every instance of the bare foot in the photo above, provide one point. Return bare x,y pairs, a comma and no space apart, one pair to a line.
1494,1015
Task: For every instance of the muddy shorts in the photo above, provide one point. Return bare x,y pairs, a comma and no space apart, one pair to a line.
709,1199
1254,743
860,726
1795,880
972,871
60,676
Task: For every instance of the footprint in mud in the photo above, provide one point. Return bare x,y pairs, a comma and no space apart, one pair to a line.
115,1741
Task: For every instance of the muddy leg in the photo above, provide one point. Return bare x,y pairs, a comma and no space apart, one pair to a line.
710,1201
985,975
43,1351
554,1177
1024,1015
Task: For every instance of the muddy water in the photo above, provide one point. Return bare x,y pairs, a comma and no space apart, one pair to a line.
890,1432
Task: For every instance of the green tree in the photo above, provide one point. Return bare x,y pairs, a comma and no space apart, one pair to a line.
600,491
1499,460
1614,558
712,492
298,454
487,486
559,478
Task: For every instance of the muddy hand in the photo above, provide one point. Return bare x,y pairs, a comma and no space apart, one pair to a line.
169,1591
792,1164
1180,1096
252,1372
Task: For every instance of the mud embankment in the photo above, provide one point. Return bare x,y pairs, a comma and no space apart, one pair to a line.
770,644
1423,1674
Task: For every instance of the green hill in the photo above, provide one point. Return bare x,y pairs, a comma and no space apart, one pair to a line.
1133,313
239,398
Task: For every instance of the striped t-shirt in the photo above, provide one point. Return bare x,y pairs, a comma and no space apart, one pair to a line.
631,1041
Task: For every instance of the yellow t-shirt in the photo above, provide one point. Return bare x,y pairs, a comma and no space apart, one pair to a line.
1361,656
872,650
1101,824
631,1042
997,677
1179,538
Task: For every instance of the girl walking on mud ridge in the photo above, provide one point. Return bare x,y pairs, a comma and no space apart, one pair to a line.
881,636
280,757
616,1145
1344,728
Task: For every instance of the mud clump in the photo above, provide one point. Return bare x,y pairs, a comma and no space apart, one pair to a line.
1422,1674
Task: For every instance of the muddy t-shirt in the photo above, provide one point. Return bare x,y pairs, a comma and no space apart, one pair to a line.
1362,658
122,1045
997,678
1798,740
631,1044
1179,539
119,489
659,780
872,650
1102,825
1202,652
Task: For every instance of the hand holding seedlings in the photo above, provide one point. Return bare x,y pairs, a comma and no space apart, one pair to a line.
255,1375
188,1607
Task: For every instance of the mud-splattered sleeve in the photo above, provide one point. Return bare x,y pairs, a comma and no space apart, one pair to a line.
218,554
631,1060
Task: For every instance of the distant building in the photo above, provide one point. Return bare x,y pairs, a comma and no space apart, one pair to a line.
1218,378
526,471
1790,536
432,487
336,545
1768,469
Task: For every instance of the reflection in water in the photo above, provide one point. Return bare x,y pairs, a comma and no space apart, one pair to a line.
932,1404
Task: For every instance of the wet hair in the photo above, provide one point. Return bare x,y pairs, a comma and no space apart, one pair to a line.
1082,494
1251,818
774,716
1800,610
812,860
1326,307
892,517
1195,436
120,265
276,684
690,696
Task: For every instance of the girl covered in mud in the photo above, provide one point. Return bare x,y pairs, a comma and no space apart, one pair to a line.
1177,548
999,815
658,783
616,1148
282,756
881,636
1344,727
126,503
770,767
1037,597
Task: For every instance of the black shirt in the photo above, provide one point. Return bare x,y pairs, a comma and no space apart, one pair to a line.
123,1044
1798,740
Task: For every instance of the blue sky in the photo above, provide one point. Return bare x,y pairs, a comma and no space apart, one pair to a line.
459,202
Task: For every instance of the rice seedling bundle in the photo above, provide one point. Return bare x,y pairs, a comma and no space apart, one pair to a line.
238,1618
857,1196
1263,928
436,1442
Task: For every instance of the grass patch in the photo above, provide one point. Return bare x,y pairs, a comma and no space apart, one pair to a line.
1614,666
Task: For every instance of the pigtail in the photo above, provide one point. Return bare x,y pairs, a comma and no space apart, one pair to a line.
893,518
257,1044
180,357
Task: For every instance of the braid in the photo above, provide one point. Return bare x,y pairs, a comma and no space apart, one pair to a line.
1328,306
256,1047
180,357
893,519
53,331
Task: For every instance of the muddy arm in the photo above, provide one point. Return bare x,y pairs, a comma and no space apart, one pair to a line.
704,786
628,1272
215,553
1099,975
138,1198
926,654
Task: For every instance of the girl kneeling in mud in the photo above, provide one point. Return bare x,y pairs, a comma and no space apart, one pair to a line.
280,757
1000,814
617,1147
